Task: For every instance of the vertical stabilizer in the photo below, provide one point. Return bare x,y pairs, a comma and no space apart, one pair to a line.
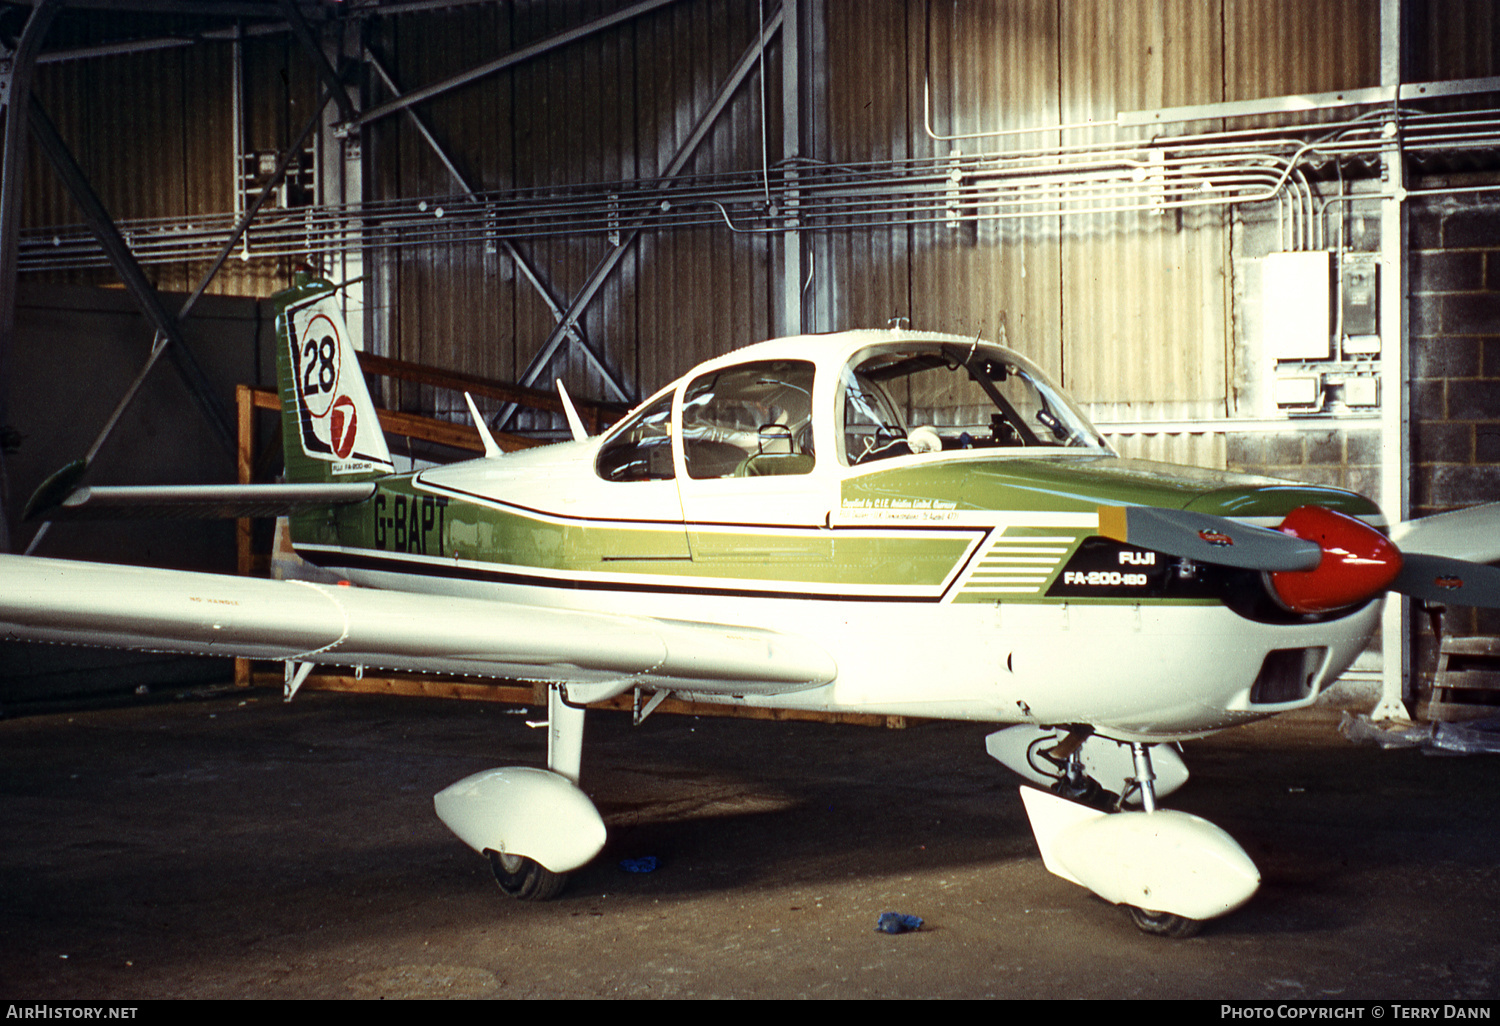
330,429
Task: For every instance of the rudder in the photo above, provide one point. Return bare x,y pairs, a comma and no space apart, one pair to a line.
330,430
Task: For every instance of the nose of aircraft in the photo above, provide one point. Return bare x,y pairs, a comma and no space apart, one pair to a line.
1358,562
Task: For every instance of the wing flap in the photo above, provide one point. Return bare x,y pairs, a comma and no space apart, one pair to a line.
149,609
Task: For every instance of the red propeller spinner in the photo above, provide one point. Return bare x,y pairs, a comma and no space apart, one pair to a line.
1358,562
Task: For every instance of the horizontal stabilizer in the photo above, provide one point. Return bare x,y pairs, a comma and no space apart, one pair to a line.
201,502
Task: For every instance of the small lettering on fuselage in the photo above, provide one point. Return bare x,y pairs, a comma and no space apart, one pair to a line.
1105,579
409,523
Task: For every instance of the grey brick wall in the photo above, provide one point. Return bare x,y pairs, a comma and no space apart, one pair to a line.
1338,457
1454,312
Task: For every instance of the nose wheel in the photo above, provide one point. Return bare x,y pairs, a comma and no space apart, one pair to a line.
1164,924
1077,785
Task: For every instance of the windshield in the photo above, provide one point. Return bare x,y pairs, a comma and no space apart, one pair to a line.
936,396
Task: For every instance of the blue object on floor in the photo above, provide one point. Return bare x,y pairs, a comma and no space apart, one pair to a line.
895,922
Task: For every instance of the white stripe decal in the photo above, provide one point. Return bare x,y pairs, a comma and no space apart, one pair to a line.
1016,566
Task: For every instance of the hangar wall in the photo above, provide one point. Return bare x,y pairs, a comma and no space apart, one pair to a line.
1135,311
1455,327
75,346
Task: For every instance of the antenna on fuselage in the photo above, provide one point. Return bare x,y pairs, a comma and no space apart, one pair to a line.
575,423
492,448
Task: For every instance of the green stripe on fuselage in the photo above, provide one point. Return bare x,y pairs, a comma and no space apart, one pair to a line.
1081,484
908,556
401,520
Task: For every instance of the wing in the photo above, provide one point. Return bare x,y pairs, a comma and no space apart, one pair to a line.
212,614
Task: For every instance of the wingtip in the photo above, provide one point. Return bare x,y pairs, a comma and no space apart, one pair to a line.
54,491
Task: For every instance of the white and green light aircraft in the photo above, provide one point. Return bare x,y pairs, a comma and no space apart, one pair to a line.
885,522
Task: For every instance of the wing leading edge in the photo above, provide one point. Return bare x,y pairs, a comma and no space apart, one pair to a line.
141,608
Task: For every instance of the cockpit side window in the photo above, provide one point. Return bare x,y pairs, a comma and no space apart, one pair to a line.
642,450
753,420
873,427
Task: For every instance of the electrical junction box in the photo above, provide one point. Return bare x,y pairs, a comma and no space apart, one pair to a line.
1357,301
1362,392
1298,393
1316,365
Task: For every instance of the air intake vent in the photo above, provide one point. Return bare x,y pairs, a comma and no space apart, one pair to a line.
1287,675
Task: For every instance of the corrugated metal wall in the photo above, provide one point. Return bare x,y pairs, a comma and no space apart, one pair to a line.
1130,309
1133,311
153,133
615,106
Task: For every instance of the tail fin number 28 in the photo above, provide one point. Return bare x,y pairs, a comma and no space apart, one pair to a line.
337,422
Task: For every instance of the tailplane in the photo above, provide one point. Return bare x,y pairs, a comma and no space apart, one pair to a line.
329,426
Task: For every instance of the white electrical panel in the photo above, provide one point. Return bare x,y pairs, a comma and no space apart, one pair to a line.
1320,339
1295,291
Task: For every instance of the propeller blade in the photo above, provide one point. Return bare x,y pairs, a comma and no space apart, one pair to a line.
1449,582
1469,534
1207,539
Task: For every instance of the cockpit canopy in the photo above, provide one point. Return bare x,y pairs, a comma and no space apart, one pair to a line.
761,417
929,396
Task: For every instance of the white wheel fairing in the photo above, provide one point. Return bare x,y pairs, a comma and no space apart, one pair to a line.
524,811
1166,861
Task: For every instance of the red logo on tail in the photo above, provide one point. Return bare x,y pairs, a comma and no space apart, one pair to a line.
343,424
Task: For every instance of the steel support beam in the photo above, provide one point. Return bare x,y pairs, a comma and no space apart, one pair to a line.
142,291
314,50
526,53
602,271
575,337
136,283
15,95
1395,373
791,148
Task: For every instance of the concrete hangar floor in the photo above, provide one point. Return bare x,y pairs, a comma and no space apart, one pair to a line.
231,846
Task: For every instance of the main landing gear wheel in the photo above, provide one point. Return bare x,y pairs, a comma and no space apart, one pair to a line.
524,879
1164,924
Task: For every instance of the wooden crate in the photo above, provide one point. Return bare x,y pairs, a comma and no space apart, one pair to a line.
1467,685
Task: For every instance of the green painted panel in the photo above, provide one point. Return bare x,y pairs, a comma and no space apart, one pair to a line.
398,519
1069,484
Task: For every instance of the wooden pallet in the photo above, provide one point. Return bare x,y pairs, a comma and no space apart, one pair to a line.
1467,686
